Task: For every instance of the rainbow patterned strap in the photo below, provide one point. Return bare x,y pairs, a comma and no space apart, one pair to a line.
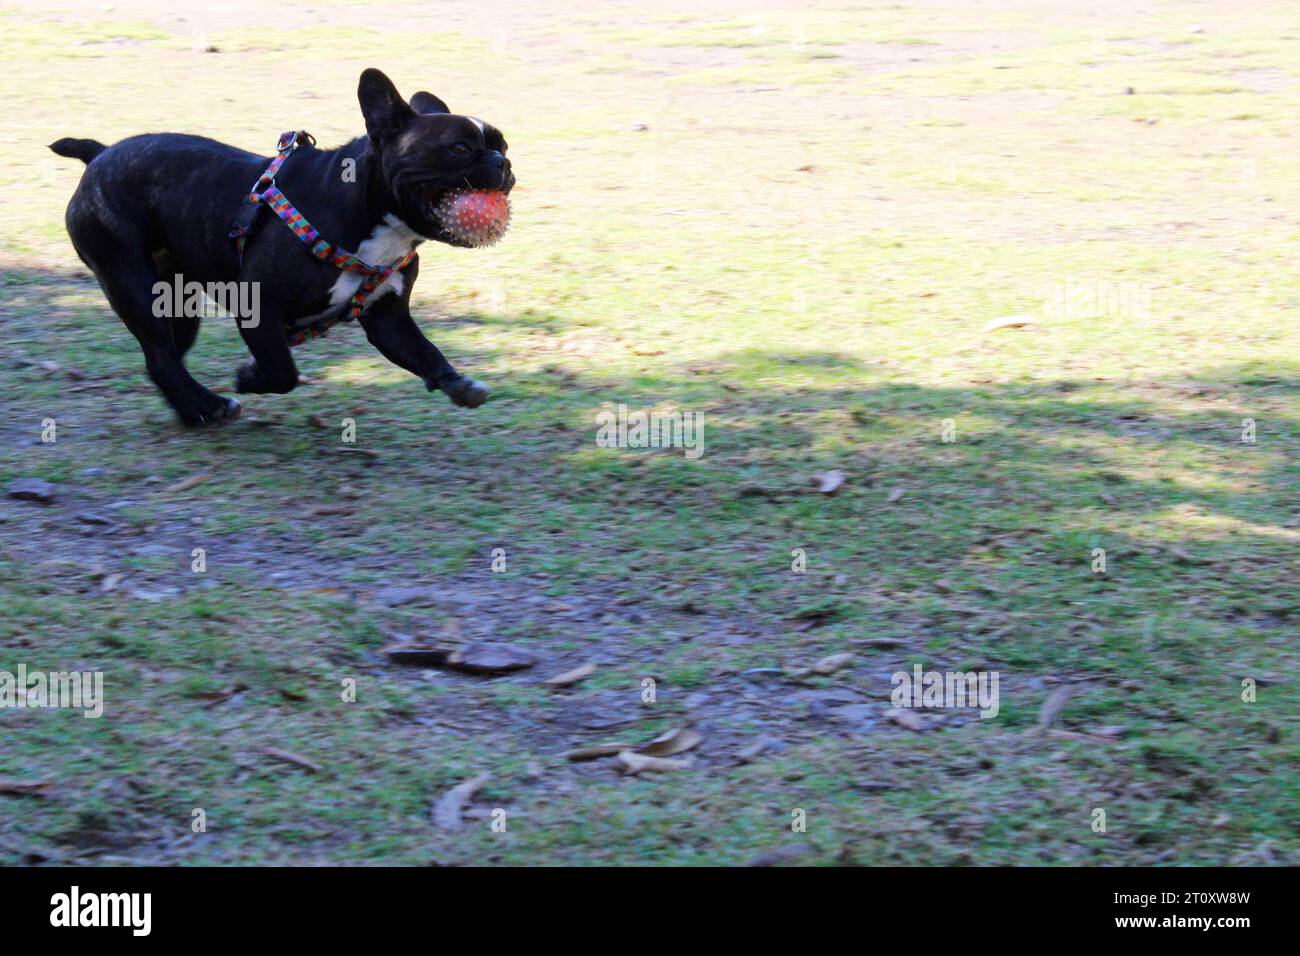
265,191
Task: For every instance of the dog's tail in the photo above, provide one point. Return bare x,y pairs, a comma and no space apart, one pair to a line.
82,149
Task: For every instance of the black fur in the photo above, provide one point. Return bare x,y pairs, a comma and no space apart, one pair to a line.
154,206
82,149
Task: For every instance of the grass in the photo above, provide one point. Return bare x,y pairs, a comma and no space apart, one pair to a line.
797,224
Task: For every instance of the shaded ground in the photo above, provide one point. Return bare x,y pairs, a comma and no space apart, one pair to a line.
796,222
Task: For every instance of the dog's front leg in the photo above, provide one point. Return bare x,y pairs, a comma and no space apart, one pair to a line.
391,329
272,368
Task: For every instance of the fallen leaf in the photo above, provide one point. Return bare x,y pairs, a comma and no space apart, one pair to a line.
110,582
214,697
568,678
446,812
906,717
634,763
894,495
185,484
829,665
830,482
599,750
1011,322
291,758
672,742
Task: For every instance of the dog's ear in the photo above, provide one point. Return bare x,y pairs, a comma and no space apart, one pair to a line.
382,106
427,103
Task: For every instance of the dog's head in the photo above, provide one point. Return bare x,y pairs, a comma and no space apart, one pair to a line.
426,151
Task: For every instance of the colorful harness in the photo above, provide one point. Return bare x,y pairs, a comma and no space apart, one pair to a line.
266,191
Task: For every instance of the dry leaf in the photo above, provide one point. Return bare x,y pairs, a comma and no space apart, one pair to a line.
569,678
906,717
292,758
446,812
634,763
217,696
665,745
829,665
673,742
830,482
185,484
1054,704
1012,322
600,750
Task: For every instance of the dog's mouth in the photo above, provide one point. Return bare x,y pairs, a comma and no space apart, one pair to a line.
428,196
465,217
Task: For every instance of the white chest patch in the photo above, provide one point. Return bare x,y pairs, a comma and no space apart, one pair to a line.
388,242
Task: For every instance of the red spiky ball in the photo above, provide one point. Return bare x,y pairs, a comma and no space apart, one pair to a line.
476,217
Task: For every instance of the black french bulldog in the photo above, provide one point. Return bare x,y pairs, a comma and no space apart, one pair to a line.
155,207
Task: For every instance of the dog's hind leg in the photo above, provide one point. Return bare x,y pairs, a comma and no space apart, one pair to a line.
185,328
127,277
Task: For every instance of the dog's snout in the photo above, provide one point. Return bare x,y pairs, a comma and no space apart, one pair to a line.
498,162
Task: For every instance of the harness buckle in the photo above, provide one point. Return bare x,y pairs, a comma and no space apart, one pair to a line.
292,139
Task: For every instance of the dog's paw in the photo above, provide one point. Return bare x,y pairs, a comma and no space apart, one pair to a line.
218,412
247,378
467,393
251,378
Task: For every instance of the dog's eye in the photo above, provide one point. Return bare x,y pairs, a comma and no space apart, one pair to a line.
460,149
